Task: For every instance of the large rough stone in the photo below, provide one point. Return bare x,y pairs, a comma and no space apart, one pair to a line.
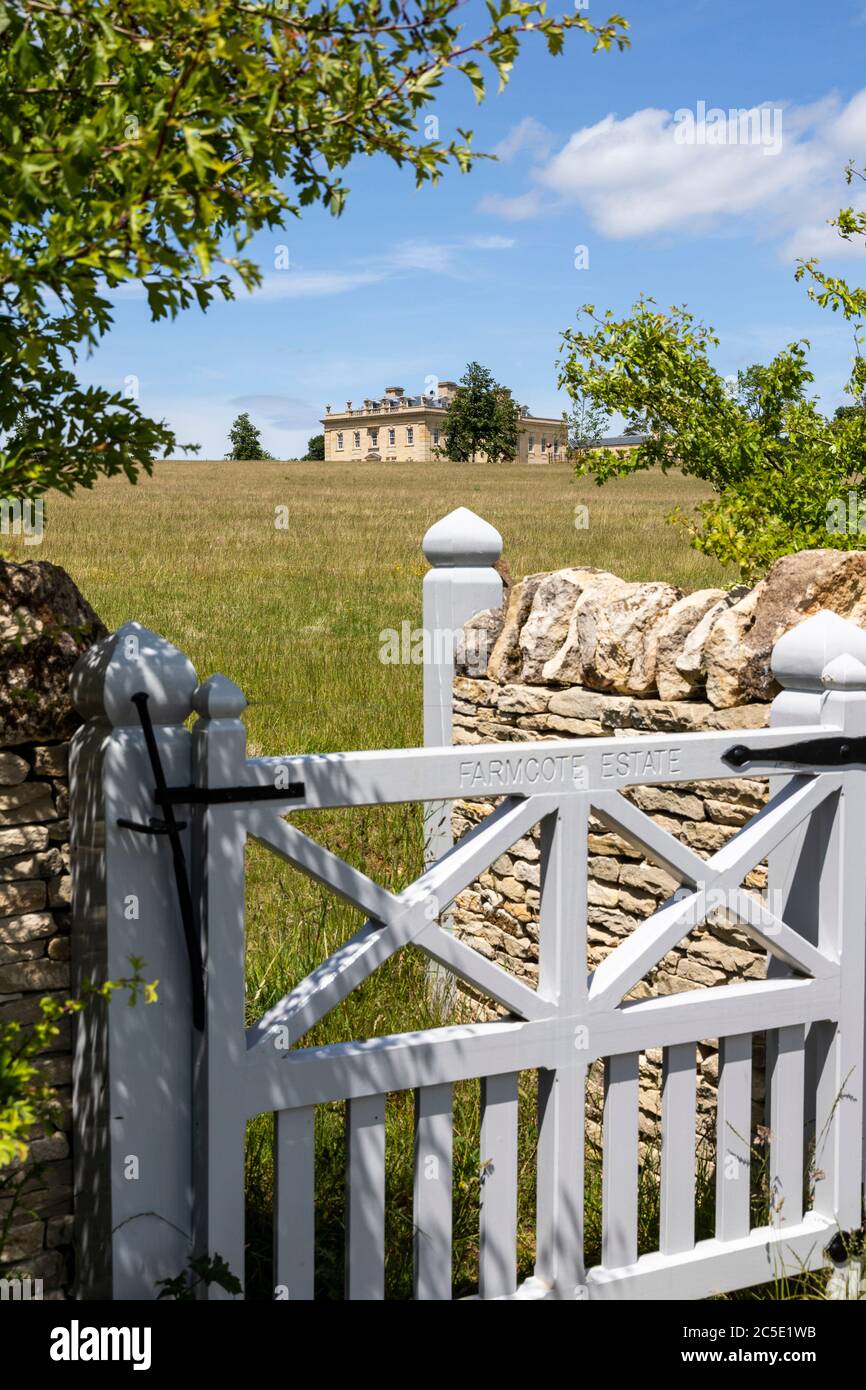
674,630
45,625
612,640
690,661
477,642
506,658
739,645
546,628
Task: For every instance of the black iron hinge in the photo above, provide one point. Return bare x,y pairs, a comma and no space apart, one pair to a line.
815,752
166,799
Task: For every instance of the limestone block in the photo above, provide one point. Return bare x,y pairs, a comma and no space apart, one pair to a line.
600,894
21,839
506,658
477,641
45,625
740,642
674,803
44,865
675,629
29,802
52,760
522,699
547,625
12,769
612,638
650,878
18,897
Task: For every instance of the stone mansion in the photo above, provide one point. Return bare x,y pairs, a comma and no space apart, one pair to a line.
405,429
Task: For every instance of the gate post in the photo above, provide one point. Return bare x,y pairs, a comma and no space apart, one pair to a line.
462,550
132,1067
817,885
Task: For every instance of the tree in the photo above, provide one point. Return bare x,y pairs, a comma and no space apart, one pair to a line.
150,142
315,448
246,441
587,423
778,467
482,418
830,290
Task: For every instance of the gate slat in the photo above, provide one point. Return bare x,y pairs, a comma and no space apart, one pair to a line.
365,1198
620,1161
432,1203
498,1220
733,1136
679,1088
787,1086
294,1202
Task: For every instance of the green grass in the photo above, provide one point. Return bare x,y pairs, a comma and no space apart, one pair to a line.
294,616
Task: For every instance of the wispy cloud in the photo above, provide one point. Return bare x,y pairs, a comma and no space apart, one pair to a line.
529,136
456,258
281,412
635,177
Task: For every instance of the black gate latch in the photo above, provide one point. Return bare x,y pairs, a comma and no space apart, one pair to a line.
817,752
167,798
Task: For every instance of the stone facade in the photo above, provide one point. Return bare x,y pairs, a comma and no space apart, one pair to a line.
582,654
409,429
44,625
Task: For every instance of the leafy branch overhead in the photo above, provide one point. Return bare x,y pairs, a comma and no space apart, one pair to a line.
150,142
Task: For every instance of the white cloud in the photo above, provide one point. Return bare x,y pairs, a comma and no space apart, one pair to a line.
404,257
529,136
778,169
520,209
308,284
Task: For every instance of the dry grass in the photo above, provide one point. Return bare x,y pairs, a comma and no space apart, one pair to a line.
294,615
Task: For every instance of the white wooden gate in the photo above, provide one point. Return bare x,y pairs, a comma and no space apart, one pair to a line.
811,1005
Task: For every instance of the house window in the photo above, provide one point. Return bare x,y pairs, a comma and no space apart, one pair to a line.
532,441
543,443
392,437
374,438
339,439
356,439
410,435
435,436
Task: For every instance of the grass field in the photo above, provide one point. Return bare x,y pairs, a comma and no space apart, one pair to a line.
294,616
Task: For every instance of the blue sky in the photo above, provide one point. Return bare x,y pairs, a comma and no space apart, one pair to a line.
410,285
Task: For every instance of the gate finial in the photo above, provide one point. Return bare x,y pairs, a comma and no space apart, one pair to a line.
462,538
130,660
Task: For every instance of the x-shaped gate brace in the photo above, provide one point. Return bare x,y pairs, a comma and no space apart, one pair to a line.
830,752
166,798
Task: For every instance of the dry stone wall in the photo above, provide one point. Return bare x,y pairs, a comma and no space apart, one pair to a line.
580,653
44,626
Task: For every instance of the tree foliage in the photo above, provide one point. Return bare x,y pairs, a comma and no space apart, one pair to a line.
778,467
245,440
147,143
831,291
482,419
315,448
